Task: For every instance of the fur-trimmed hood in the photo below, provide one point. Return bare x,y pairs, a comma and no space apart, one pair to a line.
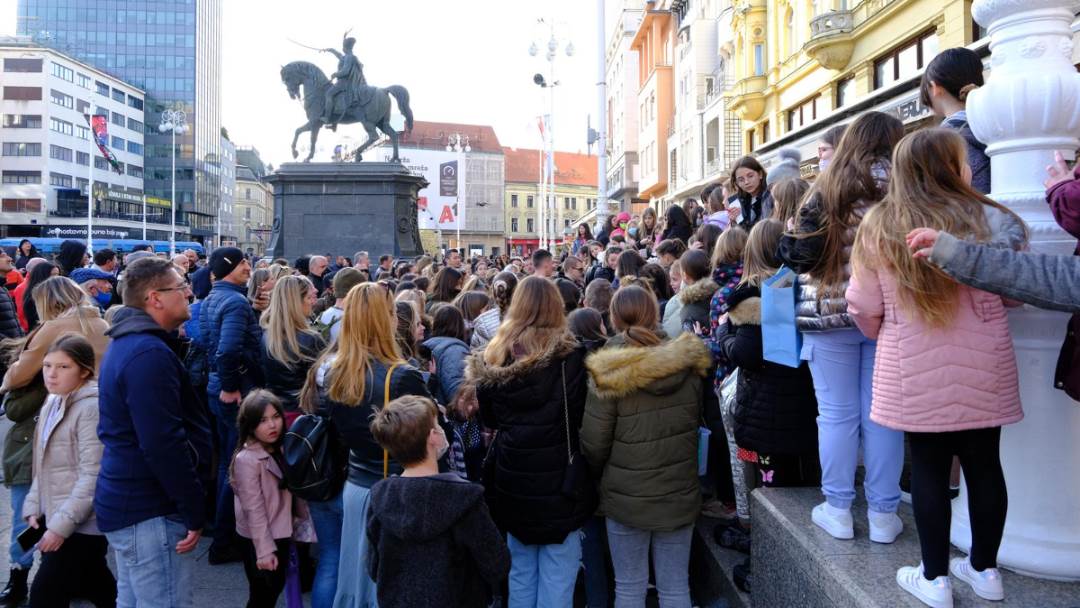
480,373
745,306
620,371
701,291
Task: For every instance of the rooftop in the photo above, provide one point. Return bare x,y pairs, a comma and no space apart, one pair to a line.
25,44
436,135
571,169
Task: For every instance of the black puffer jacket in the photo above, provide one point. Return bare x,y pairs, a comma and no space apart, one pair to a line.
352,420
695,306
285,381
9,320
523,400
775,408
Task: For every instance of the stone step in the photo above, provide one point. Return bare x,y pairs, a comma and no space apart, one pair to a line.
795,563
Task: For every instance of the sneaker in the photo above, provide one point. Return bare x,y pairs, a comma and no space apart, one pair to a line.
936,593
740,575
836,522
716,509
987,584
884,527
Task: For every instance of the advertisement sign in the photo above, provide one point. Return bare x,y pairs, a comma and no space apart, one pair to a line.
435,209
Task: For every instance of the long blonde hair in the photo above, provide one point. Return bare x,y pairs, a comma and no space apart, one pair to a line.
55,297
367,332
284,320
534,323
926,190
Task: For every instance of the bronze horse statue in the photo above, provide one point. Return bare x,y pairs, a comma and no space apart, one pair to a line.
375,114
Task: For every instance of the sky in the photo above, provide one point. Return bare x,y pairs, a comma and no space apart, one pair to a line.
465,61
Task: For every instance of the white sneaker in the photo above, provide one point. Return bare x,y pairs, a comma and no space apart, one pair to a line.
884,527
936,593
837,522
987,584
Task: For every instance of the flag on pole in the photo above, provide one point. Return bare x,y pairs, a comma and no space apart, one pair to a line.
542,124
99,124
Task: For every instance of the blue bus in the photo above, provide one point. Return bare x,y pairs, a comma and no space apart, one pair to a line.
49,246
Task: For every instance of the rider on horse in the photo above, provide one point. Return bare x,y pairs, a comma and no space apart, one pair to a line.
349,79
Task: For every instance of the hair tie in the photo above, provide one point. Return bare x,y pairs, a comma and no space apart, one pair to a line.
966,89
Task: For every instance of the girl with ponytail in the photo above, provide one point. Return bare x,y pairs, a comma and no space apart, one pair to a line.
485,325
946,84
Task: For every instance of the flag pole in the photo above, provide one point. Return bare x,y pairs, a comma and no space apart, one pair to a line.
90,201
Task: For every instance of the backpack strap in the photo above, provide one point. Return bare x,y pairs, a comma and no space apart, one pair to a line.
386,400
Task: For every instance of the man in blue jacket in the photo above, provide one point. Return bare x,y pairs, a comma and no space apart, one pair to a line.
156,464
230,334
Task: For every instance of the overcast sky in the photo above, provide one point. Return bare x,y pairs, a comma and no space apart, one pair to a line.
462,62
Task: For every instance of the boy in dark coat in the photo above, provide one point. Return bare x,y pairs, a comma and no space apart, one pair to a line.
432,541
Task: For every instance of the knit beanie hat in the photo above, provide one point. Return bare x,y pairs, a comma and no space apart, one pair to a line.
787,168
345,279
224,260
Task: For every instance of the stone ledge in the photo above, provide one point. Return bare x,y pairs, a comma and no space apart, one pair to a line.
797,564
710,570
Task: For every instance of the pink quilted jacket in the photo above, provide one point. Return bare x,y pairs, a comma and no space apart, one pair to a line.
937,380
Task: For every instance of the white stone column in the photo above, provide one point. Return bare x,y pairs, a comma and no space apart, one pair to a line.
1029,108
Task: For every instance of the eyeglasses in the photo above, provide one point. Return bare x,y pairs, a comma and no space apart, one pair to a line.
182,287
745,179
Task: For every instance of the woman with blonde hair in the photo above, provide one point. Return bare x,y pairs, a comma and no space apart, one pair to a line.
63,308
261,285
360,372
289,344
531,386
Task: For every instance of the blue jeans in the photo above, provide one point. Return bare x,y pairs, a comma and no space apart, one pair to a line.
24,560
227,436
355,589
543,576
327,517
671,563
842,364
594,552
149,571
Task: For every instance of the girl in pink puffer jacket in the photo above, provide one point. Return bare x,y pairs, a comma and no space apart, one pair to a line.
944,371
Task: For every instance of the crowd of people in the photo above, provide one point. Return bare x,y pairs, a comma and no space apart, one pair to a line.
471,432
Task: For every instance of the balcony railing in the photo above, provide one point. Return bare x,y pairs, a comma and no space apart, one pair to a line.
831,42
748,98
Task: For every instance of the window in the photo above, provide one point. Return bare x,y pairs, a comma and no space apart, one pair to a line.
82,132
573,202
59,180
134,171
845,92
513,224
247,213
802,114
22,121
60,153
102,88
514,201
529,204
82,183
61,99
84,81
566,202
247,193
119,143
61,126
905,61
22,177
62,72
118,96
20,64
135,148
12,148
82,158
750,141
765,134
101,164
135,102
22,93
135,125
21,205
82,107
118,119
759,60
529,225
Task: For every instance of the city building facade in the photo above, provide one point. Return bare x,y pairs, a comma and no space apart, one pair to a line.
226,229
575,196
621,61
48,149
253,211
172,51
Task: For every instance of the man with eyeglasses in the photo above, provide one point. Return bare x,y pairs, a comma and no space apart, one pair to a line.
230,334
150,497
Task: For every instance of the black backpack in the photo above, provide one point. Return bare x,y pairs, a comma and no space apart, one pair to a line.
316,461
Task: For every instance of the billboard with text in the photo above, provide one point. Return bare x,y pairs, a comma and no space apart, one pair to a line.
437,203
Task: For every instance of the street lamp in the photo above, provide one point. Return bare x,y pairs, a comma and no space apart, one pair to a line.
460,143
552,51
174,121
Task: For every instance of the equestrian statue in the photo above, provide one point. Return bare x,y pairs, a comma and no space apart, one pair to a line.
344,98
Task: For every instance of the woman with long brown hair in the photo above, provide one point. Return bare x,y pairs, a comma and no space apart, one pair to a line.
349,383
446,286
640,438
531,386
841,358
649,229
945,370
751,191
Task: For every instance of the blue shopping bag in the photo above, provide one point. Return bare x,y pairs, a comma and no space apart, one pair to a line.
781,340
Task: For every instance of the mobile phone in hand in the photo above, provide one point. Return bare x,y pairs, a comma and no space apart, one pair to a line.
32,536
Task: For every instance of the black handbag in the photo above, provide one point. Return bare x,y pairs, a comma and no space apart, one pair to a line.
576,475
315,460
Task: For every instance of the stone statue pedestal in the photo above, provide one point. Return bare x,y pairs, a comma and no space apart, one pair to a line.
342,208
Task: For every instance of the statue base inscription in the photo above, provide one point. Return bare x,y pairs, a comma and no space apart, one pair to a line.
342,208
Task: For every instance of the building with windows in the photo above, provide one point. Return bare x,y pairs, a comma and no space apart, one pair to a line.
48,148
654,43
575,196
621,62
170,50
226,231
253,211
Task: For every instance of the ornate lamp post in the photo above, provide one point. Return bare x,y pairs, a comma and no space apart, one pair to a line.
1029,109
174,121
460,143
553,44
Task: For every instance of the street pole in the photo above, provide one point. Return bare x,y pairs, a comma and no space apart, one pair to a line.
144,216
90,207
172,227
603,209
